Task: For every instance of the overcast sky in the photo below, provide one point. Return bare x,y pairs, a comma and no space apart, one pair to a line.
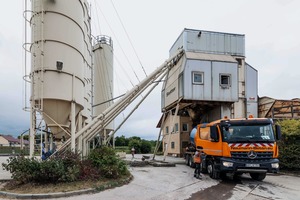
271,28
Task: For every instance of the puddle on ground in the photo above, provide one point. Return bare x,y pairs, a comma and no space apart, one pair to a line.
265,189
221,191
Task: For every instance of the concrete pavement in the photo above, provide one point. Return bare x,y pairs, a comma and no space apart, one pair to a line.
4,175
155,183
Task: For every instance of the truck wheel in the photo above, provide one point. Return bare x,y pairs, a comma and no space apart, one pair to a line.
191,162
187,157
258,176
211,169
223,175
202,169
237,176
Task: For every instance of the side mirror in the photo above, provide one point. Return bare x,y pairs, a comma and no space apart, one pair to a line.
214,134
278,132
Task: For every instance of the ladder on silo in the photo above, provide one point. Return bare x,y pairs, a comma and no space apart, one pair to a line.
97,125
37,73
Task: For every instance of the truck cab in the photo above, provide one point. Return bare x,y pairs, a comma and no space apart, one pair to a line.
238,146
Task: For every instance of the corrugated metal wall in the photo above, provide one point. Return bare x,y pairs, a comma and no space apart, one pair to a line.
210,42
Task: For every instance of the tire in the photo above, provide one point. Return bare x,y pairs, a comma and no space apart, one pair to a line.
211,169
202,169
223,175
237,176
187,159
258,176
191,162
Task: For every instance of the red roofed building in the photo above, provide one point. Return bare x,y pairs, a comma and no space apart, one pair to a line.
8,140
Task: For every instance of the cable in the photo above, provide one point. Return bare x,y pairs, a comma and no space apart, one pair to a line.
118,43
97,19
128,37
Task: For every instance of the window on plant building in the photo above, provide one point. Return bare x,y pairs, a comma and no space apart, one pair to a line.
176,127
225,80
173,145
185,127
198,77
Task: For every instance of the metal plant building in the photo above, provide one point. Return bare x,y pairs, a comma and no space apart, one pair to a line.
212,80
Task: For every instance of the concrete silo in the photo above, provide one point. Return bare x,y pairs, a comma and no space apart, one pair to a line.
87,112
103,78
61,65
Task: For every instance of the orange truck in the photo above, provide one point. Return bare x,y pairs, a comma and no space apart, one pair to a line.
236,146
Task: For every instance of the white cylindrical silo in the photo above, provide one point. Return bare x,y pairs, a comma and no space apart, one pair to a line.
58,59
87,112
103,76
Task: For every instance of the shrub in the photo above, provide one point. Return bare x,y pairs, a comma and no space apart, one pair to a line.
64,168
289,146
51,171
67,167
22,169
289,156
88,171
70,162
106,160
136,144
146,146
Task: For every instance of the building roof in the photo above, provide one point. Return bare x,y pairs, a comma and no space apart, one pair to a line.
10,138
279,108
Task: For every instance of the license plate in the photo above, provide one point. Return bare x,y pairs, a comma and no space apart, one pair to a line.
252,165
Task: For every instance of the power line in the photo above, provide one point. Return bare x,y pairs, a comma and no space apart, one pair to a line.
128,37
118,43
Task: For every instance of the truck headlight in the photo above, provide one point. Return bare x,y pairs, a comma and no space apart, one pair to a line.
275,165
227,164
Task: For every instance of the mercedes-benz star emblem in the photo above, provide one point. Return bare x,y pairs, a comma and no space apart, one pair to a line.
252,154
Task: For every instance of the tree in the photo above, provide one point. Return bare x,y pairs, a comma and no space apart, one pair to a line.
135,137
121,141
146,146
136,144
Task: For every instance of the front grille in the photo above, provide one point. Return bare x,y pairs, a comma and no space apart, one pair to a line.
244,155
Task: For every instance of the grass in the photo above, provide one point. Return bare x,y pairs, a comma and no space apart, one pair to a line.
13,150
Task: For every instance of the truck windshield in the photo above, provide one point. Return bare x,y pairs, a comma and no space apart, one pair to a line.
251,133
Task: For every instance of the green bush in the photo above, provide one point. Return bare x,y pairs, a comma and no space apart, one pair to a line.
289,157
106,160
88,171
67,167
289,146
22,169
50,171
70,164
136,144
146,146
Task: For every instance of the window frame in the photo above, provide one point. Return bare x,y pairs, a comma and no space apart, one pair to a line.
229,80
172,145
187,127
193,77
176,127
